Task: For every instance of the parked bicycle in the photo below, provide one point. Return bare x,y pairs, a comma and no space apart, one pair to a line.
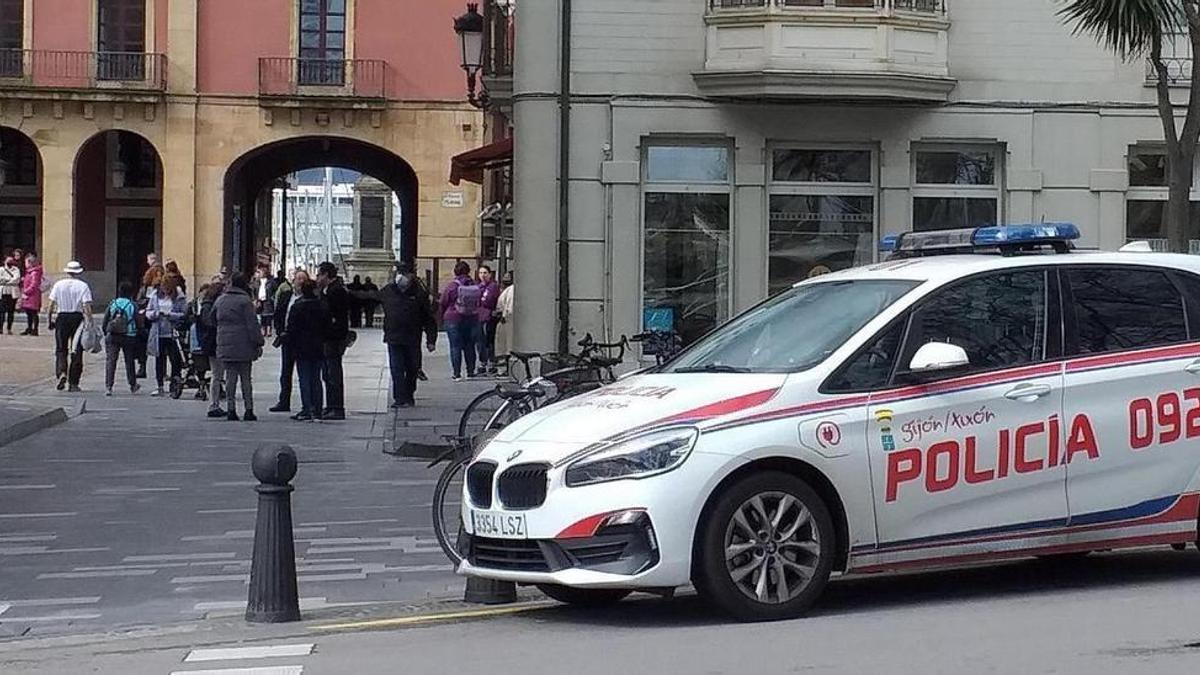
662,345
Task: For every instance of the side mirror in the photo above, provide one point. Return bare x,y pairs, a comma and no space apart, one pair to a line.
938,356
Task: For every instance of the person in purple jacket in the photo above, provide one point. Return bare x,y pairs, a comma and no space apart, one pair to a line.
487,322
459,309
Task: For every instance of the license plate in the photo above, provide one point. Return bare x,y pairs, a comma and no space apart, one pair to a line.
498,525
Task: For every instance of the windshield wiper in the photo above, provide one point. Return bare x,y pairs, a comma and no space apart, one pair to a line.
712,368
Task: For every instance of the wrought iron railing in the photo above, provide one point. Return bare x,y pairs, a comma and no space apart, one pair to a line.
1179,70
287,76
83,70
887,6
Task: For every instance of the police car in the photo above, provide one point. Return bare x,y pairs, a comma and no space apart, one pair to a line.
983,395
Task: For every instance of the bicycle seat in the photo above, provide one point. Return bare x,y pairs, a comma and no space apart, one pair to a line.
605,363
511,390
524,356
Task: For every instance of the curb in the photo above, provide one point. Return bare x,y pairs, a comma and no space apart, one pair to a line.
28,426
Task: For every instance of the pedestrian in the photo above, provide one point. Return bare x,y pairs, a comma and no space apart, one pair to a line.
200,359
239,343
504,318
264,289
307,324
285,298
489,295
171,269
10,289
71,299
406,315
358,301
19,256
337,303
31,293
150,282
459,309
207,323
165,309
120,338
370,300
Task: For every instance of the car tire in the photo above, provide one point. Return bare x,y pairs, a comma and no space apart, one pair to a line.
800,544
584,597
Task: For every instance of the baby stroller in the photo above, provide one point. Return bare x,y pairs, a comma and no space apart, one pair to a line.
195,363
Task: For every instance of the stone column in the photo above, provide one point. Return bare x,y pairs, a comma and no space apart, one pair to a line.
58,197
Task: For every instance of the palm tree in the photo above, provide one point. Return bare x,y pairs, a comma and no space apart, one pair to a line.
1137,29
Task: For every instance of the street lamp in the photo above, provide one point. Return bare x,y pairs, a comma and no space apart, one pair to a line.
469,28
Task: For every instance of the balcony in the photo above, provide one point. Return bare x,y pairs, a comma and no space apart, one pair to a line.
55,74
338,83
867,50
499,49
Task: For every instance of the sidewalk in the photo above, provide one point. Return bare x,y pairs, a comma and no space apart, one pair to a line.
140,511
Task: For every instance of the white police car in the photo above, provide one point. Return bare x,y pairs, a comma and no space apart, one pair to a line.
928,411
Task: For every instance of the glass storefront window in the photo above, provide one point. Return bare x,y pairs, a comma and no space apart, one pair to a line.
949,213
955,187
822,212
1146,201
687,164
686,252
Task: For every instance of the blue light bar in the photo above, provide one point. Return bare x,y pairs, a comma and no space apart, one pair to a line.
1004,237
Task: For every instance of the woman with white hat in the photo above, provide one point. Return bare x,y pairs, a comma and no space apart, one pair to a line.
71,298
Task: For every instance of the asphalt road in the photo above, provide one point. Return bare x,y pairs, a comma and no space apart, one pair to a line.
1113,613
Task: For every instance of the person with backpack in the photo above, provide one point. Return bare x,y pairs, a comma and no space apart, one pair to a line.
459,309
121,331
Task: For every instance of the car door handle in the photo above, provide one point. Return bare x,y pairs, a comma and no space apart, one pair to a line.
1028,393
1193,367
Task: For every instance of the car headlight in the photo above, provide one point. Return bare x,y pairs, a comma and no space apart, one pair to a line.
639,457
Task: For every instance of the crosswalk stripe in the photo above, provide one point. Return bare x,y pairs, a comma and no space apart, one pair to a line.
263,670
235,653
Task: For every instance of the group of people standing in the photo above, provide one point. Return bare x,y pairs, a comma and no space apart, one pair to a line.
364,302
473,311
22,283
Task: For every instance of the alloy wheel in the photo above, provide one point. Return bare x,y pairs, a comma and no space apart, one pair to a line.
772,548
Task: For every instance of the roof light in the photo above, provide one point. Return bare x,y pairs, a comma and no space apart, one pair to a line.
1006,238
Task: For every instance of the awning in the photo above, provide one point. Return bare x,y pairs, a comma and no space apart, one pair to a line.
470,165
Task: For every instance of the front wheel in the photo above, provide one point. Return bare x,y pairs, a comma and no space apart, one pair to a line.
766,548
584,597
447,508
489,412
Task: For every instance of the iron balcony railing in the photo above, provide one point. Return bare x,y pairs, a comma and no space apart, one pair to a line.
355,78
83,70
1179,70
937,7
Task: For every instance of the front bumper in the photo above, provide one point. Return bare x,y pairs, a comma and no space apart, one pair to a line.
671,502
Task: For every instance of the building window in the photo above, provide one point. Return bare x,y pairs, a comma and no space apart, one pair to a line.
121,40
1146,201
137,161
18,159
955,186
822,212
685,281
12,37
322,42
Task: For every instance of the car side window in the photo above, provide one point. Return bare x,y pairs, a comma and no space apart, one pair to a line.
1125,308
871,368
999,319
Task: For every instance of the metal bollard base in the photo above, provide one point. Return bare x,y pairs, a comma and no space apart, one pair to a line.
490,592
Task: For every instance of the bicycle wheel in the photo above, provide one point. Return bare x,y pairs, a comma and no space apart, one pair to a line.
488,411
447,508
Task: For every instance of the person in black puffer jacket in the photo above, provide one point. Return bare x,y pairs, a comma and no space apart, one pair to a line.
307,325
336,300
406,315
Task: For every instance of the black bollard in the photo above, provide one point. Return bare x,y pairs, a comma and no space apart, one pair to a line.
489,592
274,597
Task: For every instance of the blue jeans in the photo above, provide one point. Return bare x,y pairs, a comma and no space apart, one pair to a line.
309,373
464,340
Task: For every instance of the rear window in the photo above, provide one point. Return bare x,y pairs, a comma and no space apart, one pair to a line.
1125,308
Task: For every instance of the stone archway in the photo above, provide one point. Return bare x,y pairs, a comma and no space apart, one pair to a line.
255,172
20,192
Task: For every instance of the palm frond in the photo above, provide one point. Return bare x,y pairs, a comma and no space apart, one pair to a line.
1128,27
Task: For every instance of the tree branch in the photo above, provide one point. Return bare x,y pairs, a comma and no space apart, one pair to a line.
1191,126
1166,110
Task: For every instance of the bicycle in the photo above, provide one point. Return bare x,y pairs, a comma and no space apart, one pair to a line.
561,377
662,345
447,495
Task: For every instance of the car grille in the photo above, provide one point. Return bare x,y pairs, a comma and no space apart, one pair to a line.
479,483
521,555
523,486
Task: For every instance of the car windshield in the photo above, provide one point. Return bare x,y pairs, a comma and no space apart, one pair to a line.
792,331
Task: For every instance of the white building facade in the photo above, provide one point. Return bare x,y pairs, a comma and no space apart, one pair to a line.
721,150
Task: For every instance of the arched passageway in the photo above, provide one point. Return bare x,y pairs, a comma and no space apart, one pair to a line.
250,179
20,193
118,208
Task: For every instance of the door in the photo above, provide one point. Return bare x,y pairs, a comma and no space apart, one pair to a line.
18,232
975,449
322,42
121,40
135,238
1133,398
